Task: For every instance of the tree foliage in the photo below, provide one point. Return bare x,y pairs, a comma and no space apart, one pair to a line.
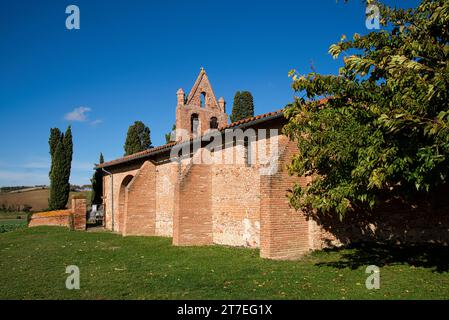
61,151
384,130
55,137
137,139
68,149
97,184
243,106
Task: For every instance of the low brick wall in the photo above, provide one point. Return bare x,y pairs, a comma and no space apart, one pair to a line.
60,218
74,218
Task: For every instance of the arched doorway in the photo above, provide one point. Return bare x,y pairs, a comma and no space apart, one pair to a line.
121,203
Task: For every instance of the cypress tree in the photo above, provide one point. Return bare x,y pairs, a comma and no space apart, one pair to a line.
61,151
235,115
243,106
137,139
68,146
55,137
97,184
57,199
67,163
247,104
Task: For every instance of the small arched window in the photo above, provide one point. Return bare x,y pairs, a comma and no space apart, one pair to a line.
194,123
214,123
203,100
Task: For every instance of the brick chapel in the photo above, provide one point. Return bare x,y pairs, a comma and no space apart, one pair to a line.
238,203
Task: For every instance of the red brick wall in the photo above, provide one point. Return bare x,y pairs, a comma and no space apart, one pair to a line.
215,203
184,113
121,175
192,221
140,203
74,218
210,109
79,211
166,177
284,231
58,221
236,205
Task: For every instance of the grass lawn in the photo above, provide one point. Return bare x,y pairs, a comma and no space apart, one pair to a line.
33,263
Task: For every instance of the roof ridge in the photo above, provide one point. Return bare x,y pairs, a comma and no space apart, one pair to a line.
196,85
171,144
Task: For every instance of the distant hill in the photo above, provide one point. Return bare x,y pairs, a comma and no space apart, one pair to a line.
19,188
28,189
36,198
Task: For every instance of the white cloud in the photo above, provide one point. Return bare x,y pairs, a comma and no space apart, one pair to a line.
78,114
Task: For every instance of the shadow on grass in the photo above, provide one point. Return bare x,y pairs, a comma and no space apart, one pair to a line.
358,255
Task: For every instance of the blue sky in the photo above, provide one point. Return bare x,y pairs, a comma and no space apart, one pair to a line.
130,57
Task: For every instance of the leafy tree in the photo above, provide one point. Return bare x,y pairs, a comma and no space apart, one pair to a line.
168,136
137,139
61,150
97,184
243,106
384,131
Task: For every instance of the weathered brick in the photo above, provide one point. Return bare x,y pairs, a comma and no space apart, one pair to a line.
241,203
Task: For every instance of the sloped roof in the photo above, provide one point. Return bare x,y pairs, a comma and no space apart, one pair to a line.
168,146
